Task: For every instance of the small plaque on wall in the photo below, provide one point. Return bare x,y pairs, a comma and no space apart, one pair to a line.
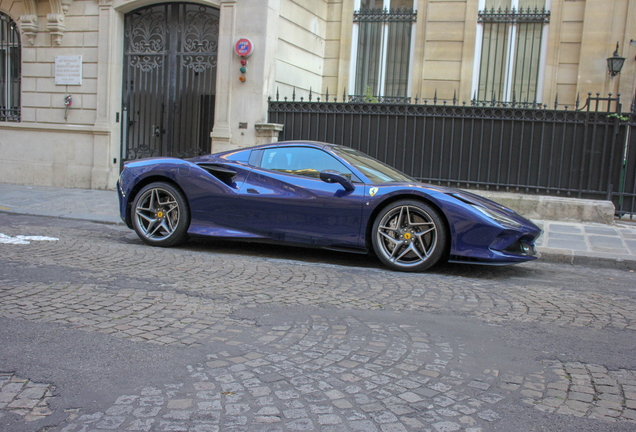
68,70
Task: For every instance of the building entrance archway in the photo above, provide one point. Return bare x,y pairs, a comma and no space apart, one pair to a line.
169,80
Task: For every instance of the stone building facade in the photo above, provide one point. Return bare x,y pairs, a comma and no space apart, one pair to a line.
164,79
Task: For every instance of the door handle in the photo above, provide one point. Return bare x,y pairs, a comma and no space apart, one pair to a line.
253,191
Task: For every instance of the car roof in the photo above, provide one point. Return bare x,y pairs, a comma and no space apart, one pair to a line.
317,144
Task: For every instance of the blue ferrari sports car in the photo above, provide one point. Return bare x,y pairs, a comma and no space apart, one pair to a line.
320,195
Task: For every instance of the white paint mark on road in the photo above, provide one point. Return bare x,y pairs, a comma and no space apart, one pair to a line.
23,240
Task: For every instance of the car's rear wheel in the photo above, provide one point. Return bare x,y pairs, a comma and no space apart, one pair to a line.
409,236
161,216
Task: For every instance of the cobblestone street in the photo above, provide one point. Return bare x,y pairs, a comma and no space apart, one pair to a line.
226,336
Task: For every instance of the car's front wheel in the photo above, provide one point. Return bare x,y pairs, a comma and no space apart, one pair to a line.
161,216
409,236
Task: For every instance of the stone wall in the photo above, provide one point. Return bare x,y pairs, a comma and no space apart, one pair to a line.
46,148
302,45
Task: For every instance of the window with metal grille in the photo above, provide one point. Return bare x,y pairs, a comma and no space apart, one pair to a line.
10,71
510,54
382,49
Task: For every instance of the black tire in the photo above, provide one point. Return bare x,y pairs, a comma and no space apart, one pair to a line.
160,215
409,236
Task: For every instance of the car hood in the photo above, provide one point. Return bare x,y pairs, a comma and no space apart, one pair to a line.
459,194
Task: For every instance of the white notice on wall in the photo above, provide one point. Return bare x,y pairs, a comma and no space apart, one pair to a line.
68,70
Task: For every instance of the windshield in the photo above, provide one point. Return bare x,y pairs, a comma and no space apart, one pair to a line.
375,170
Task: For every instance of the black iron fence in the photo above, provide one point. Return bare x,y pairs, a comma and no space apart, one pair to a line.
583,152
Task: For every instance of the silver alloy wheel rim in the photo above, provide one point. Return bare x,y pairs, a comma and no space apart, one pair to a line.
157,214
407,236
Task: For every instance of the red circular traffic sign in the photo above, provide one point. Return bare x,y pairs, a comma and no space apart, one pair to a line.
244,47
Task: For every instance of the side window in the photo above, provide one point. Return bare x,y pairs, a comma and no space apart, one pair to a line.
302,161
511,44
10,72
381,50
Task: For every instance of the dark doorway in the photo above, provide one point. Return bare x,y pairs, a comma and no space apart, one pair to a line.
170,55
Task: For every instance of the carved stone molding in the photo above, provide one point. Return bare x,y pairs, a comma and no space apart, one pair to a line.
56,7
56,19
66,4
56,26
29,21
29,27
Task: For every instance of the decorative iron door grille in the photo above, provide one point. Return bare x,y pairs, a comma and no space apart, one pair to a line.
170,55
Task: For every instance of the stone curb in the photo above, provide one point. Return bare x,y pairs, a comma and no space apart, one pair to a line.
612,261
554,208
110,220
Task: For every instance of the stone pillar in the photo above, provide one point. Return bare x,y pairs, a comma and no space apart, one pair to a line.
244,102
104,48
102,138
221,134
267,133
596,47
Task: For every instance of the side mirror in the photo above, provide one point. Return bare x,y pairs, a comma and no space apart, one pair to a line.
333,176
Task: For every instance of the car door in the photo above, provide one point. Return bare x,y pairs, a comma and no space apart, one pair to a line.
284,198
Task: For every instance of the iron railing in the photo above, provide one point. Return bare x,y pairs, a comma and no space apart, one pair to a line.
10,69
519,147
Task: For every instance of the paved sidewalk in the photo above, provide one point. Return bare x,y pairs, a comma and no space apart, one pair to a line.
84,204
565,242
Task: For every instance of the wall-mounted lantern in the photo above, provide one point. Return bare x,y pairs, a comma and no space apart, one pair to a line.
615,63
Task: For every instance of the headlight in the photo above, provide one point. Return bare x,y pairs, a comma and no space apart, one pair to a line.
497,217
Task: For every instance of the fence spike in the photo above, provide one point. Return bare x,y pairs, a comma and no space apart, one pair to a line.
435,98
294,95
455,97
556,101
327,95
269,98
309,93
578,101
344,95
514,98
416,99
277,94
302,99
